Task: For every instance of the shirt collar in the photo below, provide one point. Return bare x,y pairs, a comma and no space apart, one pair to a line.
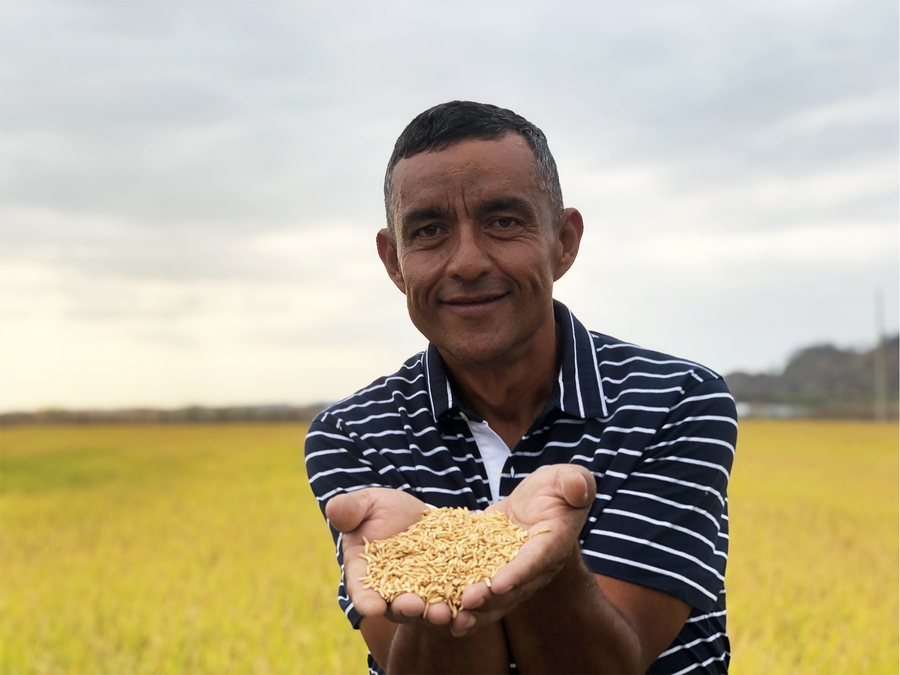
578,390
439,392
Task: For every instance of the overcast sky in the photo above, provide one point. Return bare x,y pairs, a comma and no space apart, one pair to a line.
191,190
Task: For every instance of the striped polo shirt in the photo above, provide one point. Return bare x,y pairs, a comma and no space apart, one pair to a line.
657,432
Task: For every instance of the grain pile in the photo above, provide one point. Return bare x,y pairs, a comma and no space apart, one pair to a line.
441,555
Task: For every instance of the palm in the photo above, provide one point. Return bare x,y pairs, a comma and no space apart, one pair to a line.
540,502
372,514
391,512
556,498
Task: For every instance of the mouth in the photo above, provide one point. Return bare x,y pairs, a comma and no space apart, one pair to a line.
472,305
481,298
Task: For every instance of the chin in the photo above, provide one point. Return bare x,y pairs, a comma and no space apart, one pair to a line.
475,352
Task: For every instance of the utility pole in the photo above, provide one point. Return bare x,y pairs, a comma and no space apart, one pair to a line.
880,358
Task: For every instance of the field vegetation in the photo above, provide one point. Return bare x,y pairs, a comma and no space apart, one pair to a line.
813,569
166,549
199,549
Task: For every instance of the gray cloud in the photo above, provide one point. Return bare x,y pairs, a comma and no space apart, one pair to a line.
239,115
157,157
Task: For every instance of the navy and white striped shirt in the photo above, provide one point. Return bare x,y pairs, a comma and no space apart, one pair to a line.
657,432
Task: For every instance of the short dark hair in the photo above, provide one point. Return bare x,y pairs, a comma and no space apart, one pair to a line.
444,125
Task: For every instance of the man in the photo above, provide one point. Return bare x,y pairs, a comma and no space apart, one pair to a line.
624,454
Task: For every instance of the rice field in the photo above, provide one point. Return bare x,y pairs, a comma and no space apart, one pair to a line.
199,549
157,549
813,569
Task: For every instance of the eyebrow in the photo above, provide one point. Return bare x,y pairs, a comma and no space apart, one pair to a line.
417,216
514,204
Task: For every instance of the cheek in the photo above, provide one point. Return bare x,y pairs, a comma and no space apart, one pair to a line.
418,276
534,273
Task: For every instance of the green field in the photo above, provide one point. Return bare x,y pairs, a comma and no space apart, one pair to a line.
199,549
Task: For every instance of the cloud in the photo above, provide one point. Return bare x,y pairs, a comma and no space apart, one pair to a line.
197,186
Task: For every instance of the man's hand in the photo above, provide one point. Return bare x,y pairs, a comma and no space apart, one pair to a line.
378,513
557,498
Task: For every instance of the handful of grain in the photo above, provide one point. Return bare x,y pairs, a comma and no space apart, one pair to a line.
442,554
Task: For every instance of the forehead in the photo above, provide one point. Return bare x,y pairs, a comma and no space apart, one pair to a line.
473,168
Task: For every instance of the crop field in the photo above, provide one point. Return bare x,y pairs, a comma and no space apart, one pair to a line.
812,576
199,549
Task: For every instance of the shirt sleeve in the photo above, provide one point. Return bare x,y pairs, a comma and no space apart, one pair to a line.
666,525
339,461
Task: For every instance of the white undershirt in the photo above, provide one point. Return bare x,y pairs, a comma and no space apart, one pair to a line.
493,451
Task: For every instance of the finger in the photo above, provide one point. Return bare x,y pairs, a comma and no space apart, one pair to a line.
577,485
346,511
406,607
493,609
354,565
366,600
538,556
438,614
463,623
369,603
475,595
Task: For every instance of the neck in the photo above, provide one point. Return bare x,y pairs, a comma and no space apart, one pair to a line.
509,393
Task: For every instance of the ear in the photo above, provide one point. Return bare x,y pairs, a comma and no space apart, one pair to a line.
387,251
568,240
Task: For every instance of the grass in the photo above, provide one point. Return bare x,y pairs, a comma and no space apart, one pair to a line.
199,549
813,571
165,550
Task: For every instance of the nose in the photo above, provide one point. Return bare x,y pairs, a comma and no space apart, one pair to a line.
468,258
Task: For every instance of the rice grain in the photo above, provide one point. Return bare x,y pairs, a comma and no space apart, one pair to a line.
442,554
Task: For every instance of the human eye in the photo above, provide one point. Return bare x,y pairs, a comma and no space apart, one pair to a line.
426,232
505,224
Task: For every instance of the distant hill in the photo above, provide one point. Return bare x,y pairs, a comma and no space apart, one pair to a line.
823,381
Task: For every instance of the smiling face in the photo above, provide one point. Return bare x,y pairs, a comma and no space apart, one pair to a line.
476,249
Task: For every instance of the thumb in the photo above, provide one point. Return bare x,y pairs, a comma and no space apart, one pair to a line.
577,485
345,512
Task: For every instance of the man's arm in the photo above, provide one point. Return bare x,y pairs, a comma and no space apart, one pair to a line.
545,607
659,538
580,622
337,470
557,615
400,640
416,647
583,622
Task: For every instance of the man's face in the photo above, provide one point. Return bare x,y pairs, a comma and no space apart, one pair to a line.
476,249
